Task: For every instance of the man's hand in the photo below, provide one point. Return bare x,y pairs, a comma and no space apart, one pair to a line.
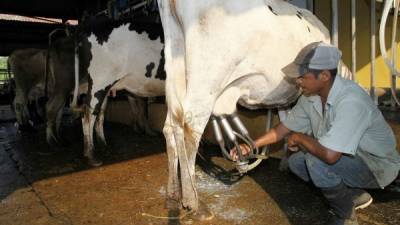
244,149
293,141
312,146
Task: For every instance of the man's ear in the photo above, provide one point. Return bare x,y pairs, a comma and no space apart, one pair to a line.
325,75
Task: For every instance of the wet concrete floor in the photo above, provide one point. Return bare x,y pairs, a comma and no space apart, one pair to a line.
42,185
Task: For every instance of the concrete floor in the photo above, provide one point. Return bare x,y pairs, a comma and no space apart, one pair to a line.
42,185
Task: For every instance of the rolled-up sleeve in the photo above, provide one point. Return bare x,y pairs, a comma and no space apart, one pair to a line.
347,127
297,119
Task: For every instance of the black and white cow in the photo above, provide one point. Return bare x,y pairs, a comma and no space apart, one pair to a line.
129,58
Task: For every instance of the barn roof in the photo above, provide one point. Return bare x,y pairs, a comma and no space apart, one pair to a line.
63,9
34,19
28,23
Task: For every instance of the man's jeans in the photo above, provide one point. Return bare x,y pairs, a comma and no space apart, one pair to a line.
349,169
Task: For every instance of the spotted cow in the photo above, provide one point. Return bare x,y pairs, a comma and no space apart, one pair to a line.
127,58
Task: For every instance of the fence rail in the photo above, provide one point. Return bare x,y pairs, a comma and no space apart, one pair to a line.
4,87
4,76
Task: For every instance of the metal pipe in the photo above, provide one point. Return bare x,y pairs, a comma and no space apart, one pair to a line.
132,8
373,32
310,5
242,165
219,137
393,88
267,128
217,131
353,38
227,128
282,116
382,45
239,125
245,134
231,135
334,35
390,63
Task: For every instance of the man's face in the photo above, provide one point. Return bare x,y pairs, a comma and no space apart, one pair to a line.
309,83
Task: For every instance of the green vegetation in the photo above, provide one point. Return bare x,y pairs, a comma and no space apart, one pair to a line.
3,69
3,62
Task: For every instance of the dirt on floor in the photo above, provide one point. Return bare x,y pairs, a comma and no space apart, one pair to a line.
44,185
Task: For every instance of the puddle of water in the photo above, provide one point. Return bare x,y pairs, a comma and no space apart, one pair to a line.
221,194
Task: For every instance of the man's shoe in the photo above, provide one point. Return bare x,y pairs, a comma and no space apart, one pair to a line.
341,200
362,199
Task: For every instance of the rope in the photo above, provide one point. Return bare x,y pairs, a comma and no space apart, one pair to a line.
168,217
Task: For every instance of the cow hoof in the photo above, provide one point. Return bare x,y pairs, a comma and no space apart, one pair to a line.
172,204
202,214
95,162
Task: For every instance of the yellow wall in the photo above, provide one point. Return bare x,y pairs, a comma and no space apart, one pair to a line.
363,46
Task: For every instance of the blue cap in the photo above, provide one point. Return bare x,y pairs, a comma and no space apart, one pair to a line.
314,56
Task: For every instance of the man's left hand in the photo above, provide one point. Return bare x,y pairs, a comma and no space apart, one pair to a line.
293,141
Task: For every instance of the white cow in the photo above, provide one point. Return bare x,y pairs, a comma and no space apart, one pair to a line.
218,53
28,66
128,60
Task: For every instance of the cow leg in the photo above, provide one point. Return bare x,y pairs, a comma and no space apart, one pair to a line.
40,108
174,188
20,107
53,110
183,132
99,125
177,126
195,120
173,68
88,121
32,111
59,120
138,107
134,110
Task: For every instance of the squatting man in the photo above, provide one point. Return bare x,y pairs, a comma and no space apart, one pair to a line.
338,138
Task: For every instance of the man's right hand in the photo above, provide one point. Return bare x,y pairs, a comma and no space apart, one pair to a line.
244,149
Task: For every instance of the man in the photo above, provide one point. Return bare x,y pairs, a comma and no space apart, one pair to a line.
340,139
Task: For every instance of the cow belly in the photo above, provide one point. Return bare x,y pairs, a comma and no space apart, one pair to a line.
141,86
255,92
266,95
263,94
